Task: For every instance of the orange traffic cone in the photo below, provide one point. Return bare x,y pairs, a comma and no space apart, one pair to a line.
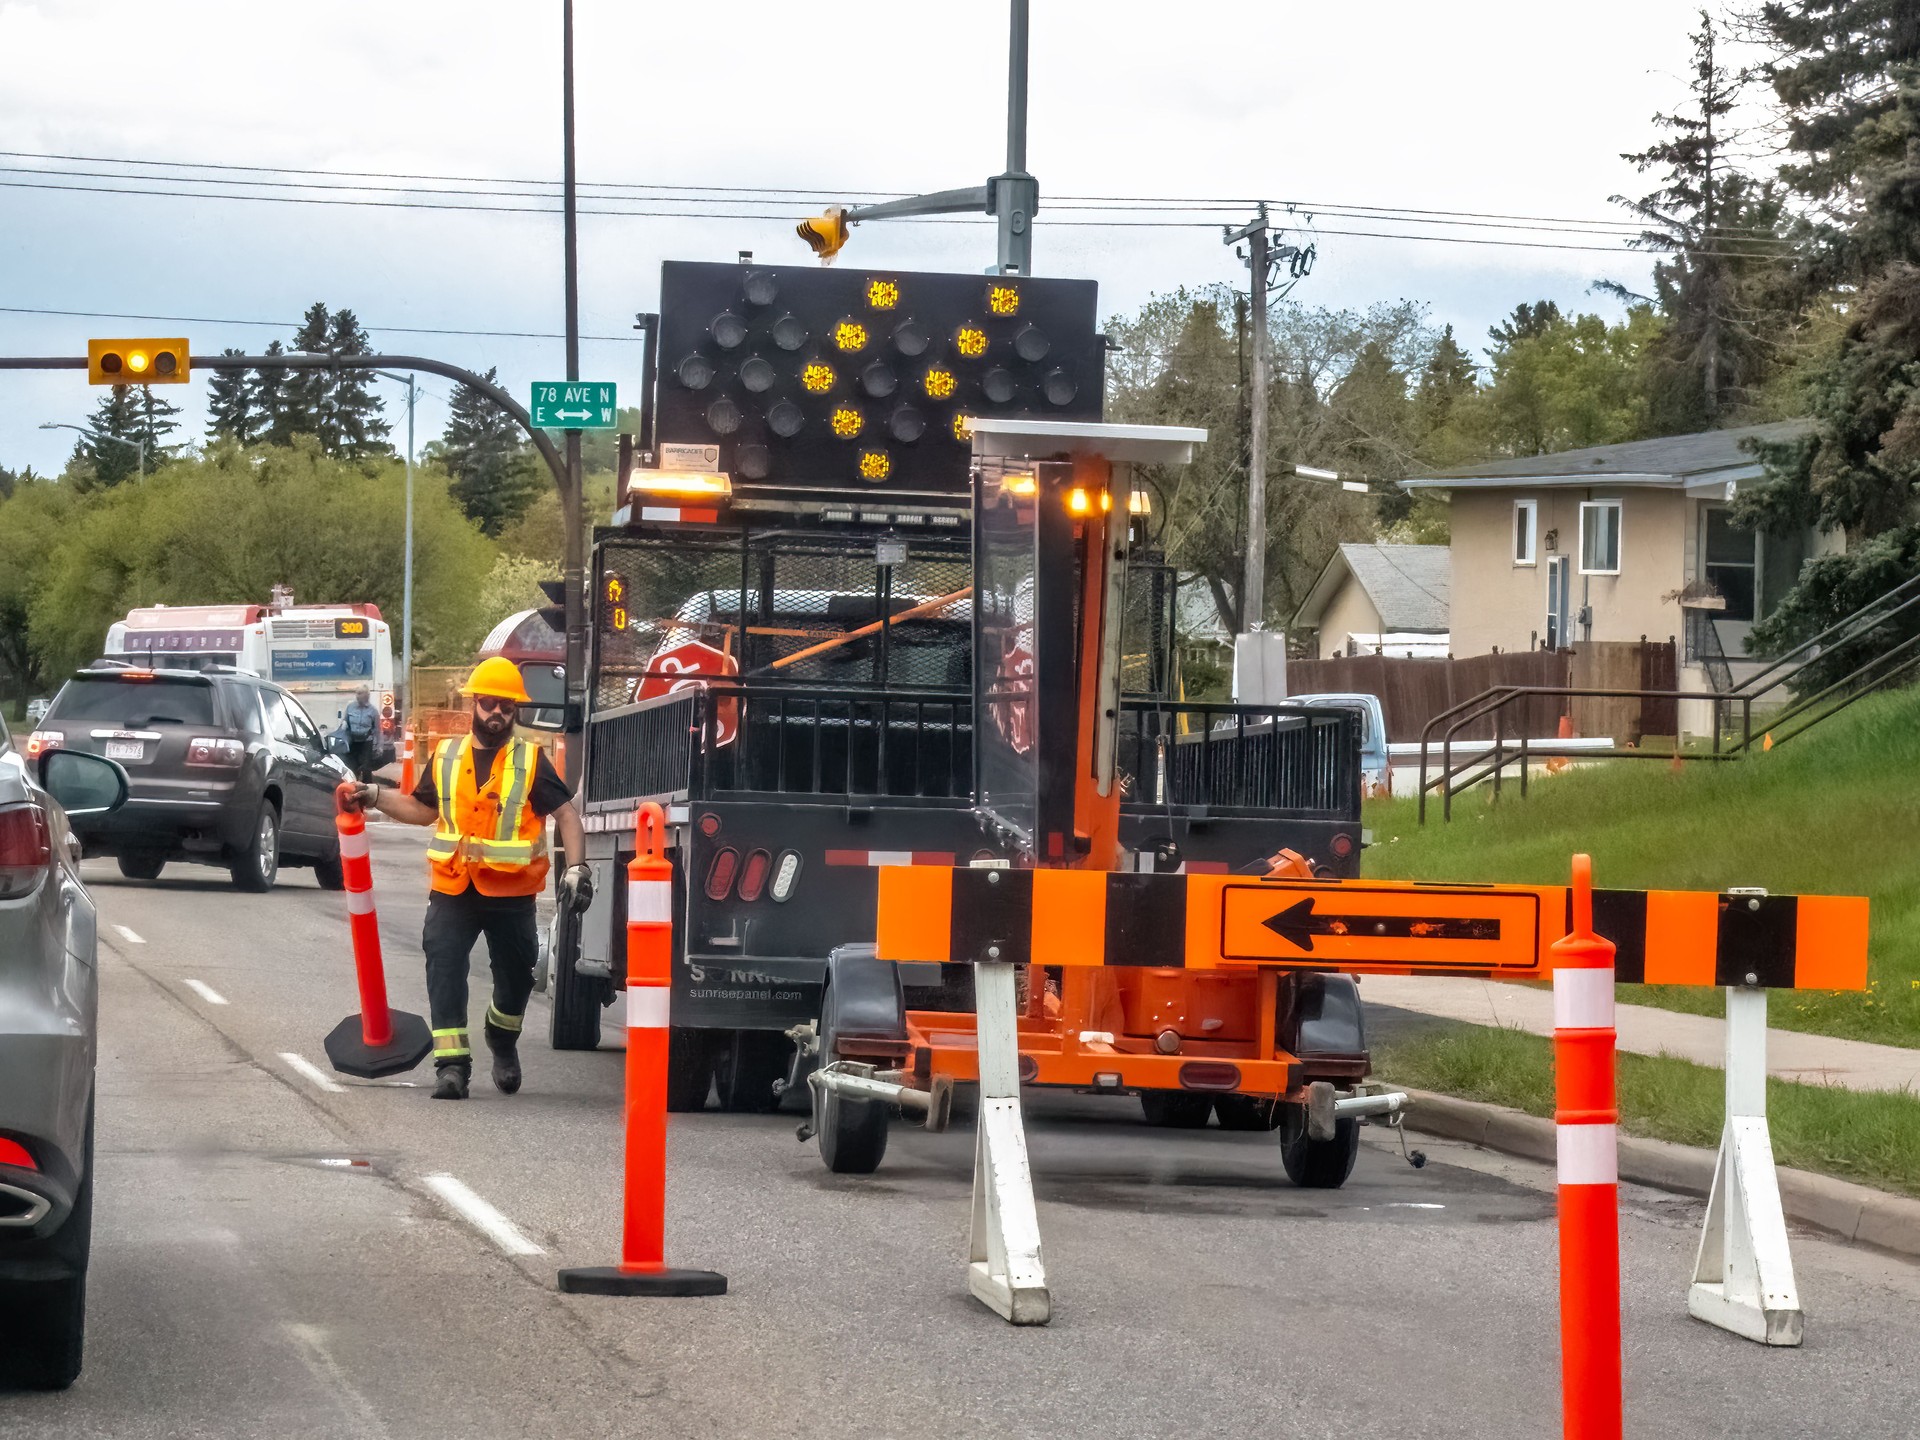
1558,763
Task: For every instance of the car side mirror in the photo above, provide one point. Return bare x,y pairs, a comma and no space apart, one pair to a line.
83,784
336,744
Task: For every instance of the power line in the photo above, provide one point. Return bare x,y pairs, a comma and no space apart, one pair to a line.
294,325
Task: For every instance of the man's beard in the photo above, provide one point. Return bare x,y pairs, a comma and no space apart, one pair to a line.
492,727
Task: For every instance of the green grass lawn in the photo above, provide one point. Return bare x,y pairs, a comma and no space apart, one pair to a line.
1872,1138
1836,811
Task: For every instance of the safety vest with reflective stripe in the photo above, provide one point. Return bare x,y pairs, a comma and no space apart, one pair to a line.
487,834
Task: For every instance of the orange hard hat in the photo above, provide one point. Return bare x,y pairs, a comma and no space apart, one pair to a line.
498,677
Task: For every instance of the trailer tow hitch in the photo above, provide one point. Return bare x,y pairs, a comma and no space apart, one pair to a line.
1386,1107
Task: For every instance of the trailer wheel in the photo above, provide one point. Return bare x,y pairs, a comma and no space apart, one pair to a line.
749,1069
1176,1109
862,995
1317,1164
577,998
689,1069
1247,1112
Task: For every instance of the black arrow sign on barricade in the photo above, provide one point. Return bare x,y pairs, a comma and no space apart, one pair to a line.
1297,925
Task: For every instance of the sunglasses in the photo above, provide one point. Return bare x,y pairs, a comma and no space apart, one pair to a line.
493,704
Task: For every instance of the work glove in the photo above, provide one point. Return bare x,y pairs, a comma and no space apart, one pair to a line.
576,888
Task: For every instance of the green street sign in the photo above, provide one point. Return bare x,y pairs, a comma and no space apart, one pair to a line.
574,405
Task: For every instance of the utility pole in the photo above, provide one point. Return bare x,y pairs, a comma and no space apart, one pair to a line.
406,583
573,575
1014,196
1253,584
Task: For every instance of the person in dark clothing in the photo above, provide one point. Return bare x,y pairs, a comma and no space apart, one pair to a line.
361,722
489,796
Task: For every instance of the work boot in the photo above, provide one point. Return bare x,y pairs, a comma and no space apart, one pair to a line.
450,1083
506,1058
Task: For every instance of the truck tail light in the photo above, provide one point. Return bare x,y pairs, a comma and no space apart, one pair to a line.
41,741
720,873
786,874
222,754
1209,1075
753,874
25,848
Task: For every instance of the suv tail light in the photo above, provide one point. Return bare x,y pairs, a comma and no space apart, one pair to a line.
207,750
25,848
41,741
12,1152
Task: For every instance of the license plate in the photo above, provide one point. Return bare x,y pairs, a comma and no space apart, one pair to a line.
125,749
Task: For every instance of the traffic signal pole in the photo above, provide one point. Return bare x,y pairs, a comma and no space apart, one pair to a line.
573,574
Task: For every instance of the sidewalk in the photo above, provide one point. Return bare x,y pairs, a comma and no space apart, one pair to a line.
1644,1030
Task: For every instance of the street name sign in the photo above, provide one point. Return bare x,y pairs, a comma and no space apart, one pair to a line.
574,405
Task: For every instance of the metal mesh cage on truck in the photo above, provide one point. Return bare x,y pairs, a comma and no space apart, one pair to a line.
1254,760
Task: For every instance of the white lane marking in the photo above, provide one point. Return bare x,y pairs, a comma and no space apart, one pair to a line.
482,1216
307,1070
205,991
315,1353
128,936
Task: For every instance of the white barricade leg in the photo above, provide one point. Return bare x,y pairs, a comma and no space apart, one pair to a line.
1743,1276
1004,1270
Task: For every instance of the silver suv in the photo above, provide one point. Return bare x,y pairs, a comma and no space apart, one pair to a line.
48,989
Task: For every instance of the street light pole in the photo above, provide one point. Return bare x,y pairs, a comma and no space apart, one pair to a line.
571,505
140,445
405,687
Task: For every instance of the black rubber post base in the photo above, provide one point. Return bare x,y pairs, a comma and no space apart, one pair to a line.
351,1055
612,1280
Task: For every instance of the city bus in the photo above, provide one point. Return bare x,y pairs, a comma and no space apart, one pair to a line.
322,653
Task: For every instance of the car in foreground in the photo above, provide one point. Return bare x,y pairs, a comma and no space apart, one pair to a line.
227,769
48,1002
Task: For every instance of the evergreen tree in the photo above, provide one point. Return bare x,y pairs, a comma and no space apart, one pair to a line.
155,419
353,427
1848,74
230,405
1719,286
102,458
267,398
1527,322
1448,377
494,479
305,395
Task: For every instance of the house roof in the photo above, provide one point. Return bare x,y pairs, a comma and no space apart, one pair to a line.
1709,460
1408,584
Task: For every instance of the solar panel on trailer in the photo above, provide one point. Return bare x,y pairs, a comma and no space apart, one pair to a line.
864,380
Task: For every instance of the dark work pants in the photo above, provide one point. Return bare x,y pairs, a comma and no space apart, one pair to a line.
360,759
454,922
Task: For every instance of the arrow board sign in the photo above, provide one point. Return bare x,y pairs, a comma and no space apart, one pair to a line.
1429,928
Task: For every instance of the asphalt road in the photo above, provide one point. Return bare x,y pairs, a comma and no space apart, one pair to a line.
274,1257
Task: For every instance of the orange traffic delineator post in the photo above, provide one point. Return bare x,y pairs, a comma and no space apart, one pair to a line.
379,1040
406,760
1587,1130
643,1269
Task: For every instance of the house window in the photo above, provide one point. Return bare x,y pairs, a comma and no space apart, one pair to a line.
1525,515
1731,567
1599,537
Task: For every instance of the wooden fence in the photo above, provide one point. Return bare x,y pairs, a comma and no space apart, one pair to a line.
1412,692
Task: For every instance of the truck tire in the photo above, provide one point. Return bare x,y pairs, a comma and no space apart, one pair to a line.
142,865
1247,1112
1176,1109
43,1323
862,994
689,1069
749,1068
331,873
1317,1164
255,868
577,999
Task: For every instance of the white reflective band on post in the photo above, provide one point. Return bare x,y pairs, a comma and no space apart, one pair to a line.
360,902
1588,1154
353,845
650,902
647,1007
1583,999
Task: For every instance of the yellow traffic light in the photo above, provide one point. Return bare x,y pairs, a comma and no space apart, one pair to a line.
137,362
825,232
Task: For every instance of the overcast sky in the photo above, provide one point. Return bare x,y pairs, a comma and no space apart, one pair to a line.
1502,106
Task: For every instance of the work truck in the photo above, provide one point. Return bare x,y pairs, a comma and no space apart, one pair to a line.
790,652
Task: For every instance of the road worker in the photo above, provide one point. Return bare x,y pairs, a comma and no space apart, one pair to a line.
488,795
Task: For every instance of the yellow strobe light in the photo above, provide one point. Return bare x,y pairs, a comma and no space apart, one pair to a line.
939,383
962,429
970,341
816,378
1077,502
1023,486
850,335
875,465
883,294
1003,299
847,422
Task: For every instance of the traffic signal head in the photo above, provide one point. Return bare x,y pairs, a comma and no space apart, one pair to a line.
137,362
825,232
812,381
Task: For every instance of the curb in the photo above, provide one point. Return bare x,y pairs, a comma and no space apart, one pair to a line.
1840,1207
